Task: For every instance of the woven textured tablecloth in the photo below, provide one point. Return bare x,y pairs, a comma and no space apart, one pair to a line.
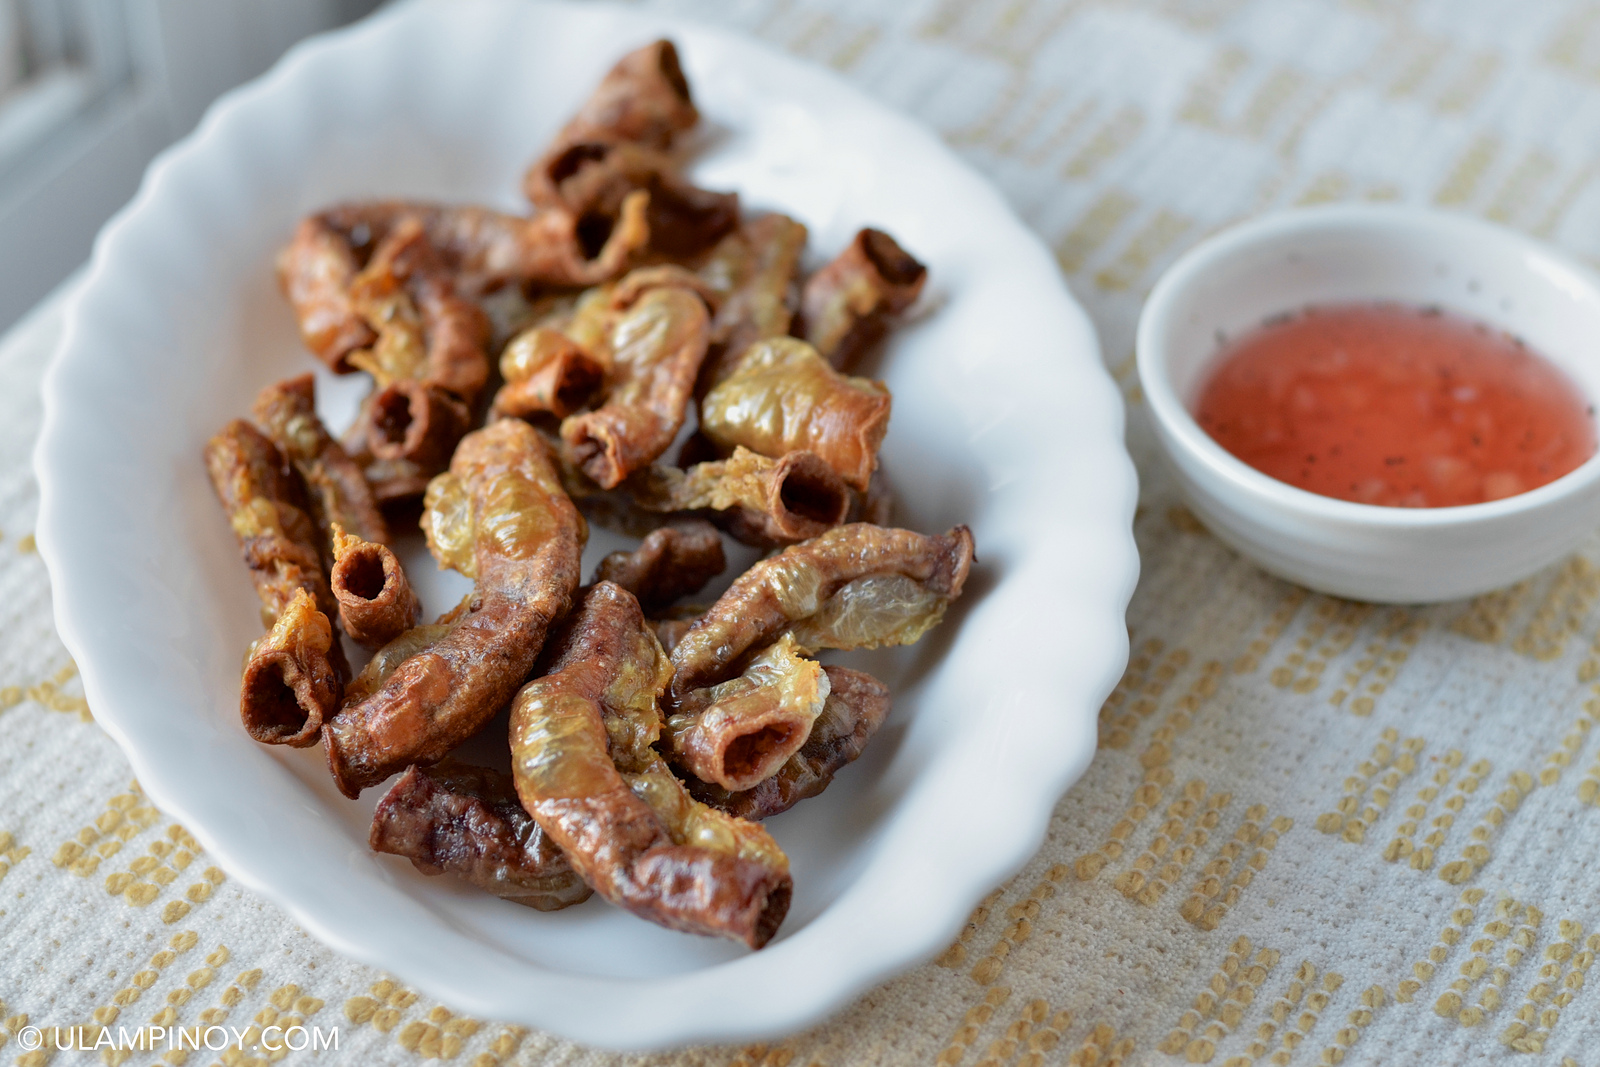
1317,831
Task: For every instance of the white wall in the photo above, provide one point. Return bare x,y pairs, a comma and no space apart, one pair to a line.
183,54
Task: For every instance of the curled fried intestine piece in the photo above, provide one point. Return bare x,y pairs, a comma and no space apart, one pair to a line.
670,563
581,739
398,316
591,180
617,141
338,492
856,706
526,541
290,682
545,371
421,424
376,603
766,502
452,818
655,346
783,397
738,733
643,98
753,271
425,331
483,249
856,586
266,507
845,306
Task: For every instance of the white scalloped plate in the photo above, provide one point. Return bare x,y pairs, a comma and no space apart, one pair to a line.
1004,419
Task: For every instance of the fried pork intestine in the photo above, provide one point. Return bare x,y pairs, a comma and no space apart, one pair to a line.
477,249
653,345
291,683
752,270
782,397
376,602
581,740
767,502
619,143
546,371
670,563
522,542
267,508
739,732
856,706
338,493
856,586
846,307
452,818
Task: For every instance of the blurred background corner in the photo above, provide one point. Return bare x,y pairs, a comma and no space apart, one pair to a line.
90,90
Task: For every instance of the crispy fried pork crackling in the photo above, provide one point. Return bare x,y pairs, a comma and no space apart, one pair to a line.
338,492
764,501
655,345
526,542
856,586
782,397
291,684
671,562
376,602
856,706
846,306
453,818
737,733
581,740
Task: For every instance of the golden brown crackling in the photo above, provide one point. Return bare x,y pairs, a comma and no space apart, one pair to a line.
856,586
670,563
290,683
338,493
857,705
546,371
416,423
526,542
426,331
655,345
590,180
782,397
266,506
759,500
376,602
737,733
581,740
845,307
483,249
753,271
454,818
315,271
644,98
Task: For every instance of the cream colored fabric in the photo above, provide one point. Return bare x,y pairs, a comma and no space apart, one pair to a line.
1318,831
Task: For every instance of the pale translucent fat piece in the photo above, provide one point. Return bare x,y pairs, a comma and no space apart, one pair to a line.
514,511
783,397
447,524
690,822
872,612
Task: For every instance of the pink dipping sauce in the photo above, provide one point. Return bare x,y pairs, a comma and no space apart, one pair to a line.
1395,405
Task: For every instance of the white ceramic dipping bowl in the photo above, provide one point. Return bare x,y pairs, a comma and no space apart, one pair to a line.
1283,262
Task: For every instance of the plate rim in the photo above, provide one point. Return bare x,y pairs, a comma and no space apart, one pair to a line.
1006,855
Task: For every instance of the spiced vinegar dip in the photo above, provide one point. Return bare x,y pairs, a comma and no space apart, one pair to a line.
1383,403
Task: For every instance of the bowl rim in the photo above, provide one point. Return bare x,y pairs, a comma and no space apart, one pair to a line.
1178,426
1046,771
